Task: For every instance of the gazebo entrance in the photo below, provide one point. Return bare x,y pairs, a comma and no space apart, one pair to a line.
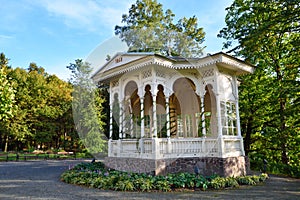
179,115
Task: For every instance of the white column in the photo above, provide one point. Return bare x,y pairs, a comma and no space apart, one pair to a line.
141,140
236,94
121,120
219,119
169,145
111,100
203,116
239,128
155,142
142,118
131,117
168,117
110,120
154,125
238,125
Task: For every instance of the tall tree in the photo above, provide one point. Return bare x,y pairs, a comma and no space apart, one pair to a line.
7,98
266,33
87,108
7,93
148,28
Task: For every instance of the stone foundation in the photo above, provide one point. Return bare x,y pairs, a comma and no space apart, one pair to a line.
232,166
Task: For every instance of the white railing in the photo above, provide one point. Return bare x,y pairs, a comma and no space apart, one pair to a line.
157,148
233,147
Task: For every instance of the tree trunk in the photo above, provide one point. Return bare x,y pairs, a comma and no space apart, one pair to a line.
282,108
6,144
1,142
284,153
247,141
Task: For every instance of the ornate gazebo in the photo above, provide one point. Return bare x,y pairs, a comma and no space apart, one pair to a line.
169,114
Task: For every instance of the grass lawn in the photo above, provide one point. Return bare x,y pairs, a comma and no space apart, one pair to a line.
33,156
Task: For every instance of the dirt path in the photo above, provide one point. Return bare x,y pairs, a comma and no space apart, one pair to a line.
40,180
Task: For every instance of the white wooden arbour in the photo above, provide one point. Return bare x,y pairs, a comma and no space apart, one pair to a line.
173,107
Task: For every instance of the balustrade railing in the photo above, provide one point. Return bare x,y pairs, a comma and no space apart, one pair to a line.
157,148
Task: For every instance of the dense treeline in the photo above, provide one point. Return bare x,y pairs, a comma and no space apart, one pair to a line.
267,34
36,110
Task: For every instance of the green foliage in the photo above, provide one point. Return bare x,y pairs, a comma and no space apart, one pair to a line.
42,114
218,183
149,28
162,185
201,182
186,180
87,106
7,93
266,33
145,184
97,176
245,180
6,97
263,177
124,185
231,182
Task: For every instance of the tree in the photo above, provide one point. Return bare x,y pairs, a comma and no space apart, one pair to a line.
7,93
58,111
148,28
87,108
7,97
266,33
41,111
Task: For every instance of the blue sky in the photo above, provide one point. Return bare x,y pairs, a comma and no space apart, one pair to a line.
53,33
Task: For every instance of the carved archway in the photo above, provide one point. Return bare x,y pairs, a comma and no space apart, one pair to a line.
184,109
132,107
210,112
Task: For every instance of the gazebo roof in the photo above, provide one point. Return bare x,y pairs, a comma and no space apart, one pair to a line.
125,62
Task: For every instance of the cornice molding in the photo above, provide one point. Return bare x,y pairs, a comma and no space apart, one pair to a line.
219,59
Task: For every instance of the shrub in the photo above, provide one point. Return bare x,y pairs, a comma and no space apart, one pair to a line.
97,182
231,182
201,182
124,185
162,185
255,178
97,176
143,184
245,180
218,183
263,177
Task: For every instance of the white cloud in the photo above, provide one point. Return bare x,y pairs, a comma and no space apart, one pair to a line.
6,37
89,14
6,41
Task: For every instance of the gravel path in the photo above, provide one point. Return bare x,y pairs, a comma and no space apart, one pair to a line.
40,180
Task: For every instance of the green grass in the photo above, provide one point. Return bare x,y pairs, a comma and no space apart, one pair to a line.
32,156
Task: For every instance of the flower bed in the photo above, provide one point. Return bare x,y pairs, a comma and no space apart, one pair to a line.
97,176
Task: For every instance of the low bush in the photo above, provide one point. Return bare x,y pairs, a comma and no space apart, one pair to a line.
97,176
231,182
218,183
